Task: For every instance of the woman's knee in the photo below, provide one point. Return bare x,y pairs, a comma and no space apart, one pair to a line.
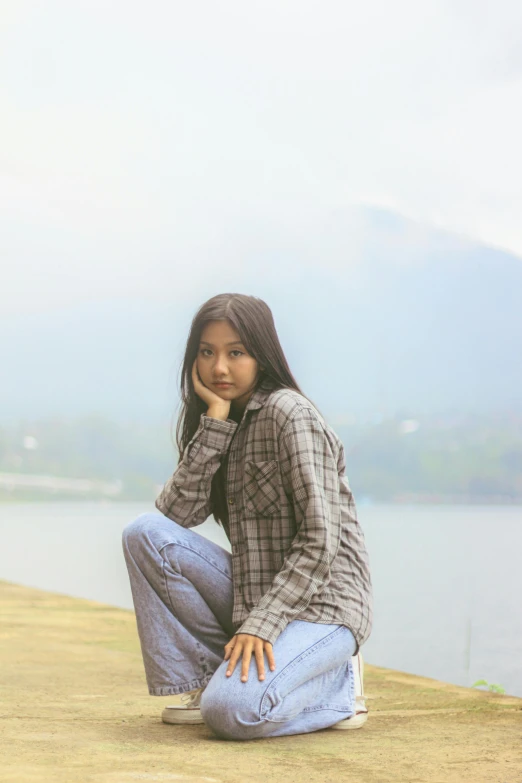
136,533
230,713
151,532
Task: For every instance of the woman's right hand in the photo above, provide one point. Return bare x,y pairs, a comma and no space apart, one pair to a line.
220,407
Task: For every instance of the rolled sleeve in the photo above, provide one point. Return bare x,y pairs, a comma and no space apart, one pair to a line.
185,497
309,470
215,433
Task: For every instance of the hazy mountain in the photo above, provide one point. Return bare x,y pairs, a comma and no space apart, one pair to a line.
377,315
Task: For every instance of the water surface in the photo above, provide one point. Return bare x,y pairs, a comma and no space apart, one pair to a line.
447,579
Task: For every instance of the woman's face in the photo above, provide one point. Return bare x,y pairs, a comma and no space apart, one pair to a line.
223,357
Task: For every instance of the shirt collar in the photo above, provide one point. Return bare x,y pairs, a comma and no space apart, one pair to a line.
261,394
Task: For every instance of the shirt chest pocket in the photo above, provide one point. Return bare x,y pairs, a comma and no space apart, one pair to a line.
261,487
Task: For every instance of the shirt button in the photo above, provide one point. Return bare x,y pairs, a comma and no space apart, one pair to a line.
231,501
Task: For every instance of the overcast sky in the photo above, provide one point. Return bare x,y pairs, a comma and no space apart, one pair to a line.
143,142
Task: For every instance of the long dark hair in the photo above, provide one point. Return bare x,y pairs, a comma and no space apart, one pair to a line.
252,318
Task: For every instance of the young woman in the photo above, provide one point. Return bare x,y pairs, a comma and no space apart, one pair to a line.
264,641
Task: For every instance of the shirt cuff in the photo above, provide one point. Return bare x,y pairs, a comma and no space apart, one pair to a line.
266,625
216,433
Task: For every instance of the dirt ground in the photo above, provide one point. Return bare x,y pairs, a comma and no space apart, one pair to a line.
74,707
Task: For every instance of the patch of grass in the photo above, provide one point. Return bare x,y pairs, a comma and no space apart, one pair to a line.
489,686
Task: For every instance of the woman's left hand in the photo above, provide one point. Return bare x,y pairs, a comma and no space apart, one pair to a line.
246,644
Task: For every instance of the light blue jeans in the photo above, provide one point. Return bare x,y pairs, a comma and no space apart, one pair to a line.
182,590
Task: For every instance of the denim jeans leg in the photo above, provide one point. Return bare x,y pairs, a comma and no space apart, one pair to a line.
182,592
311,688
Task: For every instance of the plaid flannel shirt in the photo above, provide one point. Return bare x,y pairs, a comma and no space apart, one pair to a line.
298,551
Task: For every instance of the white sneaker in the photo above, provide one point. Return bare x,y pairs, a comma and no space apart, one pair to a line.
361,710
187,712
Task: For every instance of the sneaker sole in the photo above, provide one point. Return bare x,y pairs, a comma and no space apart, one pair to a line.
355,722
173,716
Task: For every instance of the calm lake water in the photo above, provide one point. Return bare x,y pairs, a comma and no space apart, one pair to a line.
447,579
